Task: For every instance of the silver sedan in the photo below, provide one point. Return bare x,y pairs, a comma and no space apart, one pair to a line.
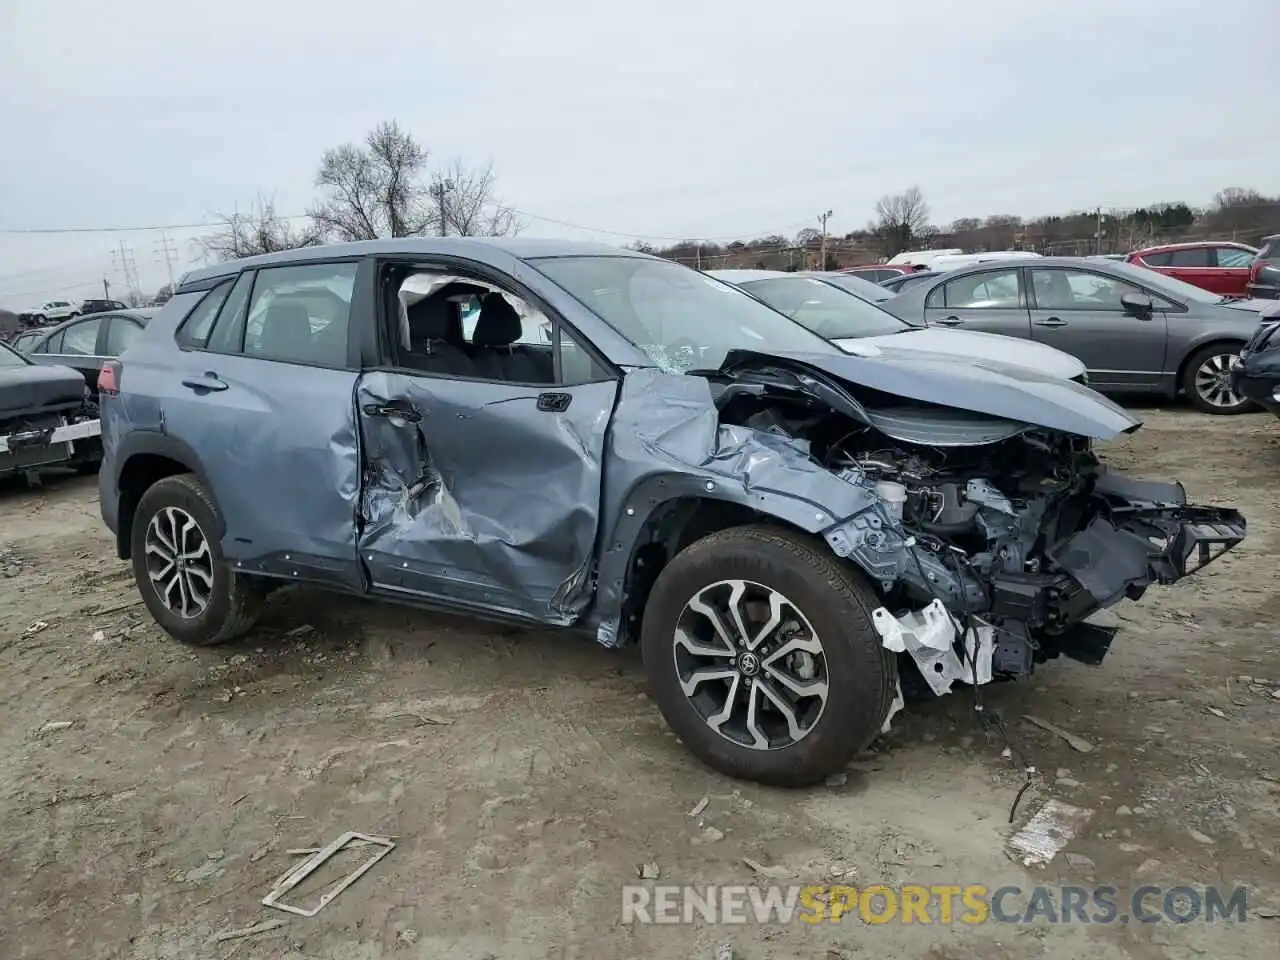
1137,331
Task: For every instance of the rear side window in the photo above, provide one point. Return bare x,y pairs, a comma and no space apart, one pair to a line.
301,314
1198,257
1158,259
195,330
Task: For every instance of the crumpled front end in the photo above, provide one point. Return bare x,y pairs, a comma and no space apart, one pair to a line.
991,540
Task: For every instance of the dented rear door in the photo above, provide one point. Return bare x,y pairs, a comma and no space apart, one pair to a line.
482,495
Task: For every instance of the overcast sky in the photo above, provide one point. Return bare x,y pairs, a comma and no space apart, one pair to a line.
697,118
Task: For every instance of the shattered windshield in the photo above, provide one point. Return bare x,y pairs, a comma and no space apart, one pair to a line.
826,310
682,319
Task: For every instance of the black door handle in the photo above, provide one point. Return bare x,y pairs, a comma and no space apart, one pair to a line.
394,409
948,322
554,402
1051,322
209,383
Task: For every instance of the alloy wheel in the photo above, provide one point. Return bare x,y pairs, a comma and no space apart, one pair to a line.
179,562
1213,381
751,665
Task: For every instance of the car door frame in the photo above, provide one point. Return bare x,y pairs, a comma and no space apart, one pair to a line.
1019,315
300,543
401,551
1155,380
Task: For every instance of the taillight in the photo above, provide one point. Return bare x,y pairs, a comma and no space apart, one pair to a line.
109,378
1255,270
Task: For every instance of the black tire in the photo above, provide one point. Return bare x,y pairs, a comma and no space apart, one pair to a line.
234,603
1194,396
836,601
39,319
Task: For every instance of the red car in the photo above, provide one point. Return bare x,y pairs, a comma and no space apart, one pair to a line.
879,272
1217,266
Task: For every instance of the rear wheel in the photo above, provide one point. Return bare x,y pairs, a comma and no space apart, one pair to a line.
762,656
179,568
1207,380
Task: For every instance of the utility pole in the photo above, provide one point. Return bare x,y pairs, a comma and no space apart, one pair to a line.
166,247
822,219
1097,246
106,289
124,262
438,190
699,256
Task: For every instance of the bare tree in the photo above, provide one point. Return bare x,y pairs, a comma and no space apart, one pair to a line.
259,230
901,220
466,206
375,190
807,236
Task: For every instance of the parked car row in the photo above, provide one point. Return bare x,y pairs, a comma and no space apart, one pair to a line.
55,311
1131,329
84,343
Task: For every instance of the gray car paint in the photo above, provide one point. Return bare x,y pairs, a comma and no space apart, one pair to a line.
959,343
457,510
1121,353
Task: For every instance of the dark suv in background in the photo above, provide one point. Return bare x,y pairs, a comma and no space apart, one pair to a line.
101,306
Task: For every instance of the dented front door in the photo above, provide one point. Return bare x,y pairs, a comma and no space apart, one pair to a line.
482,495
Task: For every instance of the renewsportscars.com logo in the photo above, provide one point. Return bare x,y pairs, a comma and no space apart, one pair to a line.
935,904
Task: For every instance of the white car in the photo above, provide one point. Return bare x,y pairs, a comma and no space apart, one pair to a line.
54,311
822,304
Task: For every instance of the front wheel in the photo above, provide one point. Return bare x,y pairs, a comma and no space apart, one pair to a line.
39,319
1207,380
762,656
179,568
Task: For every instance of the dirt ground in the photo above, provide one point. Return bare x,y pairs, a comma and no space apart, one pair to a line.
525,775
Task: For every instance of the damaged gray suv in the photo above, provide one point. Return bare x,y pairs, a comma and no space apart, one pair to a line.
583,437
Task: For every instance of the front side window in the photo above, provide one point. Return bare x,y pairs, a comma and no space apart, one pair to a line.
827,311
300,314
1065,289
81,339
993,290
459,326
120,334
1231,257
680,318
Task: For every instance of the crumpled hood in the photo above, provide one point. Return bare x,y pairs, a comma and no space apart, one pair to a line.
980,385
983,346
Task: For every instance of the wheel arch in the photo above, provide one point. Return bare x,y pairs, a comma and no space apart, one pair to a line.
145,459
660,517
1211,340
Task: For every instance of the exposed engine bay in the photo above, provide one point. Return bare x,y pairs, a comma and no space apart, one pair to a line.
991,540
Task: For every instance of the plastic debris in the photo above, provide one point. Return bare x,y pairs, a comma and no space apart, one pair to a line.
1078,744
1052,828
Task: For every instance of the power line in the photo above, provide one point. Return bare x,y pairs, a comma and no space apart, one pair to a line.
302,216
